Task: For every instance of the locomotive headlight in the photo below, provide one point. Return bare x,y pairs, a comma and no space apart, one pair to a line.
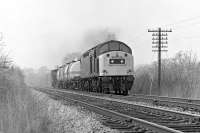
129,71
117,61
105,71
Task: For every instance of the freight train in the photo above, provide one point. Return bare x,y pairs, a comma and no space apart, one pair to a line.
105,68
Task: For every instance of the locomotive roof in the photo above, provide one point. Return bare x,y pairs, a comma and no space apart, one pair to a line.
107,42
101,44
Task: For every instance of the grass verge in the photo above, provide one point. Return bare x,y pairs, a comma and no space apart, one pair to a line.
28,111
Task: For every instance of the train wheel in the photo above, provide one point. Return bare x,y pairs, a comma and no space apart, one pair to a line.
100,86
115,91
87,86
90,85
108,90
125,93
82,85
94,85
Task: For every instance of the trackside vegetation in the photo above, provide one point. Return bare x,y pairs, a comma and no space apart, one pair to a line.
180,77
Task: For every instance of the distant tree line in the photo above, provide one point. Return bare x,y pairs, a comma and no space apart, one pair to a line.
180,77
37,77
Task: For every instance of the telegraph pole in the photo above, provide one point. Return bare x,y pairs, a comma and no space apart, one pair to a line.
159,39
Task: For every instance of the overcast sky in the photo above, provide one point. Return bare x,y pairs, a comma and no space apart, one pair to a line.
41,32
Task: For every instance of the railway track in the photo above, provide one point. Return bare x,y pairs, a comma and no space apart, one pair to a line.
175,121
181,104
177,99
119,121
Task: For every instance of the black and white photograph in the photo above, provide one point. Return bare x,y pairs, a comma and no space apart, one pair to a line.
99,66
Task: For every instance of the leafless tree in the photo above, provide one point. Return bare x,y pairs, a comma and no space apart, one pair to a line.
180,76
5,61
10,75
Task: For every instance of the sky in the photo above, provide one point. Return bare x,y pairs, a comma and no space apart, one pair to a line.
41,32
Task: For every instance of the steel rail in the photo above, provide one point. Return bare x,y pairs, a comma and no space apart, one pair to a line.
148,125
180,114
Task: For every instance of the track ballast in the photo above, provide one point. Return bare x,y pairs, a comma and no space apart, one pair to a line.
172,119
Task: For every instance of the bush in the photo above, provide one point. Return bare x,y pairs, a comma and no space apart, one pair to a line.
180,77
23,110
11,78
40,77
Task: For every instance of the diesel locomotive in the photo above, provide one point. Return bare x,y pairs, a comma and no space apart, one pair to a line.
105,68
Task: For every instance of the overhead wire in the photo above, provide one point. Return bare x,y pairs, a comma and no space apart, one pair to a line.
181,23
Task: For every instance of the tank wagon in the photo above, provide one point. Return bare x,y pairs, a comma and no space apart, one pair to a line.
105,68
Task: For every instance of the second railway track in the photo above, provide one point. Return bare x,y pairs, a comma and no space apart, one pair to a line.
180,104
173,120
192,105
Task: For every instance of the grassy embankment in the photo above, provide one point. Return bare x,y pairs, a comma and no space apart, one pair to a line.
26,111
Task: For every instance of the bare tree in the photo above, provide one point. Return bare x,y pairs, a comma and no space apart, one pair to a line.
10,75
180,76
143,80
5,61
